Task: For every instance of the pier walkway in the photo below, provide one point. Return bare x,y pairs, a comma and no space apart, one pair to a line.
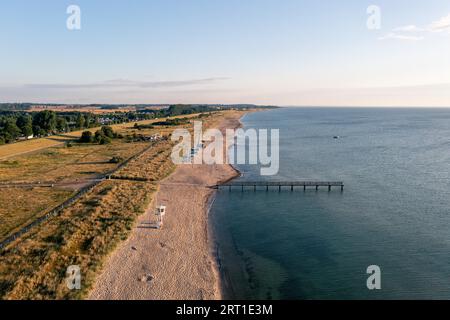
280,184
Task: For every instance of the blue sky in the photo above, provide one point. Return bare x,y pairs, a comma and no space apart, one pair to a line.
284,52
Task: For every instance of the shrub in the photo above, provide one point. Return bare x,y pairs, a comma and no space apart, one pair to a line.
108,132
86,137
105,140
98,135
105,135
115,160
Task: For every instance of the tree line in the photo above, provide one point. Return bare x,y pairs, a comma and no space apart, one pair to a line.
21,125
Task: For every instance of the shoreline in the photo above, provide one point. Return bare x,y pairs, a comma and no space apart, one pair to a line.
178,261
223,283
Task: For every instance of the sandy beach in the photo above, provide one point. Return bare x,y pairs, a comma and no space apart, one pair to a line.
175,262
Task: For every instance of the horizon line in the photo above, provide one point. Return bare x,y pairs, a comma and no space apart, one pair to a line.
228,104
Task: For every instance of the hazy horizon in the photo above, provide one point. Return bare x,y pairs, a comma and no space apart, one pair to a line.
231,104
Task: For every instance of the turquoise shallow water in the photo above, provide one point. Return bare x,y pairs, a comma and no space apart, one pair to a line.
394,212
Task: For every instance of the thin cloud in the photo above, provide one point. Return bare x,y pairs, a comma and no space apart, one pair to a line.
440,25
409,28
396,36
122,83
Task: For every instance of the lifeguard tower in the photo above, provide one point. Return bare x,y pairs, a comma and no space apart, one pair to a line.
160,213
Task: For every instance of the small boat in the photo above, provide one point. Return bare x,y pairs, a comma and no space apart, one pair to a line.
336,137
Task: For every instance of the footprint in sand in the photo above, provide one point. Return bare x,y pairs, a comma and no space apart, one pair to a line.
162,245
146,278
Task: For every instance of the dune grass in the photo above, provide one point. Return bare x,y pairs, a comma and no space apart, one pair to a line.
34,266
28,205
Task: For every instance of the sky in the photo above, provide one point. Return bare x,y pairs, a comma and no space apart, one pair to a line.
277,52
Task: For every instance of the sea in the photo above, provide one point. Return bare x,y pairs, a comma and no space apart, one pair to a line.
394,212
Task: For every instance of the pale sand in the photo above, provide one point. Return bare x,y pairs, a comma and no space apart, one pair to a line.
175,262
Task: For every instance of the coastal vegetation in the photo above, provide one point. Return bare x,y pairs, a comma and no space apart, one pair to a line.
69,169
34,265
24,121
66,164
23,125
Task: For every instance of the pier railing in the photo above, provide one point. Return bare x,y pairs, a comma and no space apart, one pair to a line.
280,184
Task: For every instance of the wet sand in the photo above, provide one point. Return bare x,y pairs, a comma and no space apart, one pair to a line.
175,262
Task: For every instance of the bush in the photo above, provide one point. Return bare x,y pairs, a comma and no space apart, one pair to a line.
108,132
105,140
98,135
86,137
105,135
116,160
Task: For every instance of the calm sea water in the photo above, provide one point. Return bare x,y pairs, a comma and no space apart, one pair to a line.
394,212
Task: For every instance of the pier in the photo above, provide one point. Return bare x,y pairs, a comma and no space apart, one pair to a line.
280,184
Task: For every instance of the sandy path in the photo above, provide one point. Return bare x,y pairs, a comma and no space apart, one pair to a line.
176,261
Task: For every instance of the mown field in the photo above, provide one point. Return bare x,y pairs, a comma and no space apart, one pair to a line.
34,266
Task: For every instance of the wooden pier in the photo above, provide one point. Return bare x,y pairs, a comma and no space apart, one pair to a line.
280,184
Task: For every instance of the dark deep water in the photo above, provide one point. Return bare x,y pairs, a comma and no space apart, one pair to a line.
394,212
